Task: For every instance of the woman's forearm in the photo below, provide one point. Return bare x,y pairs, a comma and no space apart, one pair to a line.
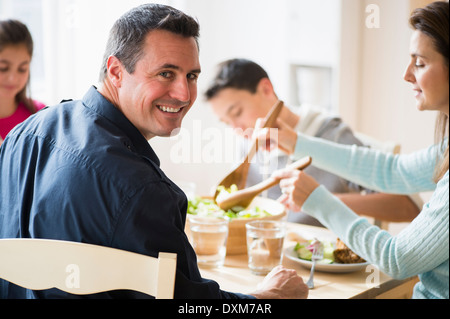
388,173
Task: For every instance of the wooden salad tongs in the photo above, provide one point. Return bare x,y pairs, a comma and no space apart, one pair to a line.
239,175
244,197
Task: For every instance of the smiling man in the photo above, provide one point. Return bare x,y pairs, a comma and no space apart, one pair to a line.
163,86
84,171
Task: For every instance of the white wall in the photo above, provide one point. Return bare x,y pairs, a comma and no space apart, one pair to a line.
387,106
374,98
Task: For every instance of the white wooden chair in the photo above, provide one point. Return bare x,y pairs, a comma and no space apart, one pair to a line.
81,269
384,146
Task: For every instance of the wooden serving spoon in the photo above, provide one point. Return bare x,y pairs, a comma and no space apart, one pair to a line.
244,197
239,175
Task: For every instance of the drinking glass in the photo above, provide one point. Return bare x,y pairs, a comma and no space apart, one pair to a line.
209,239
264,245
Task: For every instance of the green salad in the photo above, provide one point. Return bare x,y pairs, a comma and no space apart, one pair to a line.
208,207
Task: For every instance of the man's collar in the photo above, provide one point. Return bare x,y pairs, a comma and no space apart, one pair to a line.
100,105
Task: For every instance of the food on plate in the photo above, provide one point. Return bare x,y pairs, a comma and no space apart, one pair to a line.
209,208
332,253
344,255
304,251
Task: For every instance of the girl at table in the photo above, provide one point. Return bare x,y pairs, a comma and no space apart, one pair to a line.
423,247
16,51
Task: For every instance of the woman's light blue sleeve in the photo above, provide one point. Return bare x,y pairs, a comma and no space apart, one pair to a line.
400,174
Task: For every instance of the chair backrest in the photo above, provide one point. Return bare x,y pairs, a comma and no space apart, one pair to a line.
82,269
385,146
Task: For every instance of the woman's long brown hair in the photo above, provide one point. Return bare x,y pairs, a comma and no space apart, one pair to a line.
433,21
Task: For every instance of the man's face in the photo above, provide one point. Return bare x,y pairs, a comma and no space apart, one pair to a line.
240,109
163,87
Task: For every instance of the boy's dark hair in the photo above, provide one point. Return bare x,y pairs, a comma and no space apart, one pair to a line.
129,32
238,74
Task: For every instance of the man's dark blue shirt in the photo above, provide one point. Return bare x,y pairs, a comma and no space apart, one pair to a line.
81,171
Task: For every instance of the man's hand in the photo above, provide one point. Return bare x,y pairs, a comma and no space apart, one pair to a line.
282,283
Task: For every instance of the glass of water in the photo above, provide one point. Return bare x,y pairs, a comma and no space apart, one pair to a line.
209,240
264,245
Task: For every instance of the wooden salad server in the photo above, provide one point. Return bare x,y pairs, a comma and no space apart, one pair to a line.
243,198
239,175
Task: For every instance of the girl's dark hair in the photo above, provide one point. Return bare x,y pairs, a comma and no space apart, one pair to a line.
129,32
14,32
433,21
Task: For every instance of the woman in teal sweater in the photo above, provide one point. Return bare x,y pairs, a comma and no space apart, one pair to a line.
423,247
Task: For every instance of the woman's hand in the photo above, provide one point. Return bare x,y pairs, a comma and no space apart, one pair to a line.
296,187
282,136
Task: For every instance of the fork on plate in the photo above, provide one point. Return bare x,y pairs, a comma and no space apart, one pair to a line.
316,256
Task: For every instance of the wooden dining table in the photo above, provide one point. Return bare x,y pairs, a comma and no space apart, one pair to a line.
366,283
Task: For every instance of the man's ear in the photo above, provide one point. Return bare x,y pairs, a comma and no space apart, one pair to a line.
266,88
115,71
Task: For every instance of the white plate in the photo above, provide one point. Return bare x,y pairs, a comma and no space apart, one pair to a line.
337,268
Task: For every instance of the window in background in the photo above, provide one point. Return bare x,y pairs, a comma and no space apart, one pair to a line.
314,49
313,85
70,38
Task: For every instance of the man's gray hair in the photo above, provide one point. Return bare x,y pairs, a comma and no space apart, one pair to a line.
127,36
